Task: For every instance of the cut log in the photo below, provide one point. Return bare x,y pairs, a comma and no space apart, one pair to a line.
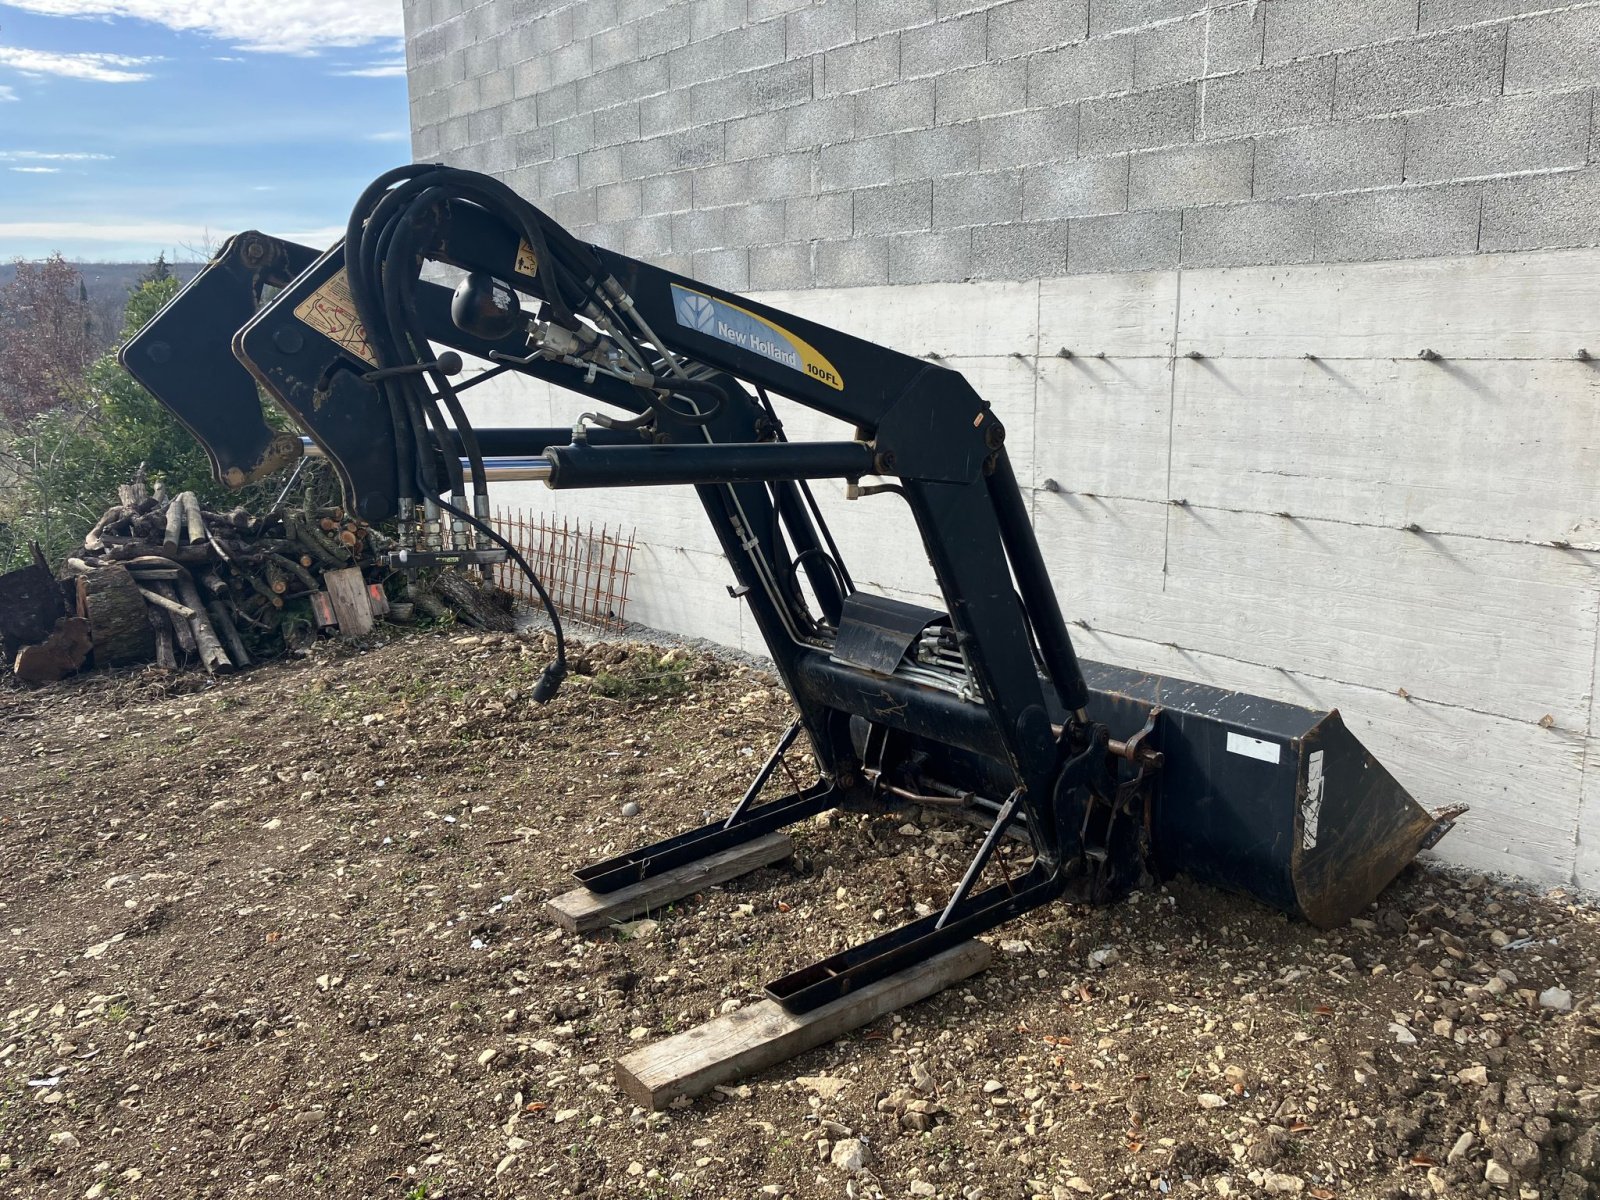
179,626
194,525
172,606
165,655
133,493
118,628
472,602
58,656
175,521
347,590
113,516
212,655
229,632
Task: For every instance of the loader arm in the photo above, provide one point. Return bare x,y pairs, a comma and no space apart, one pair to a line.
1111,775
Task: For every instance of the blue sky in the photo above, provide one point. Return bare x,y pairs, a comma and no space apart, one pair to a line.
129,127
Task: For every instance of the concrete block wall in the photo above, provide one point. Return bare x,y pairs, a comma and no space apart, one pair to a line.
1301,194
833,143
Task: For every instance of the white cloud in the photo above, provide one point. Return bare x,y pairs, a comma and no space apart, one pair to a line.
100,68
7,94
389,135
384,71
286,26
167,232
37,170
51,156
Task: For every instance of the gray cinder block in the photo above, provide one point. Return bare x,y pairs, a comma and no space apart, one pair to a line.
893,208
855,68
982,91
787,265
1277,97
1551,50
884,16
1126,242
1070,189
667,193
808,218
986,199
1398,223
1330,158
1300,28
1208,173
899,106
1171,52
1038,135
1086,69
1234,36
934,49
930,153
820,27
1108,16
1541,211
1235,235
1024,26
727,268
1516,133
852,263
1140,119
930,257
1029,250
1444,68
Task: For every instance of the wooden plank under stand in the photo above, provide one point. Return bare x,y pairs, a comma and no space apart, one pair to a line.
763,1034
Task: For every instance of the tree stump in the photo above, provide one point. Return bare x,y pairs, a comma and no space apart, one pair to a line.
118,626
30,605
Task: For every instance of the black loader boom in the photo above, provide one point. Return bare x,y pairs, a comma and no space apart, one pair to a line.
1112,776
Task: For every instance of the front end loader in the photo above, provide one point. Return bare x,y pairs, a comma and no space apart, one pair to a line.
1112,777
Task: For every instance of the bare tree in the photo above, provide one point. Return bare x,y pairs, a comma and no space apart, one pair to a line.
45,339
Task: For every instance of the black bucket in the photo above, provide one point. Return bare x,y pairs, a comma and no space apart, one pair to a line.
1278,802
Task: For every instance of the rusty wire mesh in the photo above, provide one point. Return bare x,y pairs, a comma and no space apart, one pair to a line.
584,568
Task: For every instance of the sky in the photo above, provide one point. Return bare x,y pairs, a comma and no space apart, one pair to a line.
134,127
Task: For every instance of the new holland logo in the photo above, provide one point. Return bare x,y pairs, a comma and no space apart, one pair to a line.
742,328
697,312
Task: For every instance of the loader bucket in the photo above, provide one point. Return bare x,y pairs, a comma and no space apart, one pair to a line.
1275,801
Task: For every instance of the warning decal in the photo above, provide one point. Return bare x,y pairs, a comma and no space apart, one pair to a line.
332,313
742,328
527,261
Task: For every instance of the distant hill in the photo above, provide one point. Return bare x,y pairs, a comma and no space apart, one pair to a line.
108,285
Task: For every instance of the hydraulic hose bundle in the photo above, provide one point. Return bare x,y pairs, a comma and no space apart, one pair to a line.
383,263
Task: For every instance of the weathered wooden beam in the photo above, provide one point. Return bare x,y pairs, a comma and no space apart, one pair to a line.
583,911
760,1035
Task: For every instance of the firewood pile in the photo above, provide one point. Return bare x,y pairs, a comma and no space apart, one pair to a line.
163,580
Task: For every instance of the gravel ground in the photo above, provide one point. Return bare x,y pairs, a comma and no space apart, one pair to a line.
281,935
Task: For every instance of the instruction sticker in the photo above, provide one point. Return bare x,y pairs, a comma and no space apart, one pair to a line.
1311,810
527,261
742,328
1250,747
331,311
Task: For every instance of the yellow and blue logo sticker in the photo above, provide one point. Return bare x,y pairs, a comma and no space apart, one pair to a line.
742,328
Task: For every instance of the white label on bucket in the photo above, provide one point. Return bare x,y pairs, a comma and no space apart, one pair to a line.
1311,810
1251,747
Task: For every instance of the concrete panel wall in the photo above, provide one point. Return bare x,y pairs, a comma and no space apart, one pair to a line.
771,144
1308,510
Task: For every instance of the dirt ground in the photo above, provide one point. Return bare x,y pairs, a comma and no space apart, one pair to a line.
281,935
